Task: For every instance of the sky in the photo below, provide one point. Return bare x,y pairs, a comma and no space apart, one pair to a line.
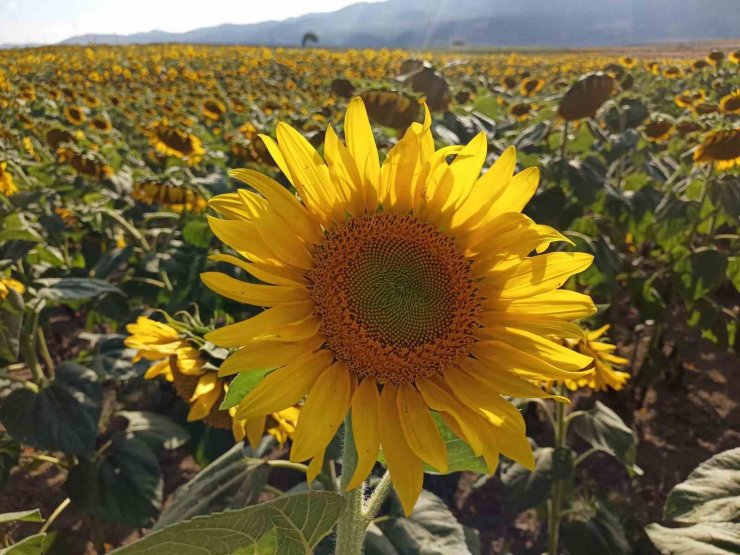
50,21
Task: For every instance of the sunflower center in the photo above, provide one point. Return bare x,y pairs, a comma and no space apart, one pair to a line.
397,300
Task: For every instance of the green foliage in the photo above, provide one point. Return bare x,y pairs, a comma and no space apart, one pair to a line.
290,525
62,416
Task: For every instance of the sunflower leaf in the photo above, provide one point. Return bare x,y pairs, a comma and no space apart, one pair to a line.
241,386
290,525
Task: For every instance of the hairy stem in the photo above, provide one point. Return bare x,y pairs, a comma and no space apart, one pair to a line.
353,521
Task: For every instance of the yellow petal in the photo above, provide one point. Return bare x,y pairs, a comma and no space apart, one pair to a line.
344,173
361,145
243,237
419,428
322,413
366,429
541,347
466,168
277,156
535,275
522,363
250,293
276,276
266,323
255,428
405,467
262,354
512,195
539,325
284,387
561,304
314,468
283,202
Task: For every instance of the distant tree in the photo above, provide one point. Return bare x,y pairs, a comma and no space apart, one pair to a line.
309,38
458,43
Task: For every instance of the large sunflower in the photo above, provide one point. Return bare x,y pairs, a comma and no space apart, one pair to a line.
396,291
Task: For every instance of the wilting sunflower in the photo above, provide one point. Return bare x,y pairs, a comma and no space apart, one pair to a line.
176,197
6,284
658,129
715,57
85,164
171,141
604,376
730,104
7,185
396,292
74,115
721,148
531,86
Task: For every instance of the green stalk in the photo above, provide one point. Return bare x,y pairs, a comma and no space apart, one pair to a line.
353,521
556,492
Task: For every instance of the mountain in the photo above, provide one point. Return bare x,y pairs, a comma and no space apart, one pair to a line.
440,23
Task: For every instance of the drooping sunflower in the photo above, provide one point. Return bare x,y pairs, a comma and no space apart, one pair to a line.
730,104
177,198
659,129
721,148
7,184
6,284
172,141
604,375
395,291
74,115
715,57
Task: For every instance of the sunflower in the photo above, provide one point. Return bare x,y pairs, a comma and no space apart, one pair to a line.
730,104
102,124
281,425
175,197
687,99
213,109
521,110
658,129
628,61
672,72
7,185
699,64
396,292
720,147
531,86
734,57
74,115
171,141
6,284
85,164
68,218
704,108
584,98
715,57
604,376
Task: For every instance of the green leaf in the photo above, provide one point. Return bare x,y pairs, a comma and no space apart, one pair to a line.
232,481
61,417
488,106
198,233
733,271
32,515
155,430
10,452
241,385
430,529
710,493
123,486
604,430
592,528
298,522
700,273
705,538
524,489
20,235
11,319
74,289
460,456
32,545
113,360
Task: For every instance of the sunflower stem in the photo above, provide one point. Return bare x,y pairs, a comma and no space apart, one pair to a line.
353,521
379,495
556,493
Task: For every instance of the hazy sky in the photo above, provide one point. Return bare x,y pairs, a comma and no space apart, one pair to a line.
49,21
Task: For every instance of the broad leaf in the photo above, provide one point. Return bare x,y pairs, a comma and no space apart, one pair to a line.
32,515
61,417
430,529
198,233
74,289
31,545
603,429
155,430
591,528
232,481
524,489
11,318
123,486
10,451
293,525
705,538
113,360
700,273
460,456
710,493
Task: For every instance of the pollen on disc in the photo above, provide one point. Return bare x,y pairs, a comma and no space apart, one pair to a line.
396,298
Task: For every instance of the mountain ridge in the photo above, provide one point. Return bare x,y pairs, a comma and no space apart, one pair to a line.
440,23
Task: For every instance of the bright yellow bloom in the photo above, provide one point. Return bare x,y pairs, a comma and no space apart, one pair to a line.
395,291
604,376
6,284
722,148
7,185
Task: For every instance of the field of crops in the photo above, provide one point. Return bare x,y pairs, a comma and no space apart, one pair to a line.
544,362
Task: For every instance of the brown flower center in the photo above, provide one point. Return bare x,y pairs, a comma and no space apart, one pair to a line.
397,299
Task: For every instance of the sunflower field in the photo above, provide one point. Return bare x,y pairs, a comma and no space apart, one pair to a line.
319,301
